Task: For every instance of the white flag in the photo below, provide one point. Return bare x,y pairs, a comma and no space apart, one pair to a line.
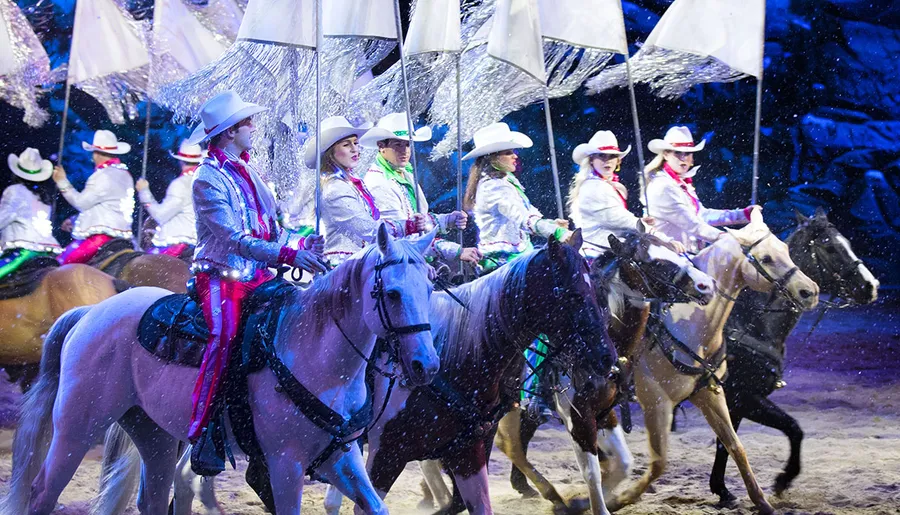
585,23
434,28
104,41
515,37
177,33
732,31
360,18
288,22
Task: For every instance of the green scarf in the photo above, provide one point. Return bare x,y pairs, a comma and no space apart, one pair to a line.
400,178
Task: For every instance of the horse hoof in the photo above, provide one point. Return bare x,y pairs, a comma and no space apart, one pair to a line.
528,492
614,504
782,483
577,505
727,499
425,505
766,509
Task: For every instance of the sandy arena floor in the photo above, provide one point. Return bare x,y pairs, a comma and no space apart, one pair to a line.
844,388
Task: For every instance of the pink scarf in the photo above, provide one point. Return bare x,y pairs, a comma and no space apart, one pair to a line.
615,178
246,185
686,184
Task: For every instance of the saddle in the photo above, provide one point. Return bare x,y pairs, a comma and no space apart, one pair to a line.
113,256
27,278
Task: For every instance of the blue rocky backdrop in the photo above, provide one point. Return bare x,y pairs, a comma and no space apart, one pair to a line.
830,123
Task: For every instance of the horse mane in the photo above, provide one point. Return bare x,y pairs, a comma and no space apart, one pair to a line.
494,310
328,295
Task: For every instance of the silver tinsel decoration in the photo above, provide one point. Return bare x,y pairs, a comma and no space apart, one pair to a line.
670,73
32,68
492,89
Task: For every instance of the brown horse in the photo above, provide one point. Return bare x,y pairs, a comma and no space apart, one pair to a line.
25,320
141,269
633,272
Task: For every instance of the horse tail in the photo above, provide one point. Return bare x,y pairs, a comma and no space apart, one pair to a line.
35,429
119,474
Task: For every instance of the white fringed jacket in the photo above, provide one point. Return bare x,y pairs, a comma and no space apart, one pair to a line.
25,221
106,203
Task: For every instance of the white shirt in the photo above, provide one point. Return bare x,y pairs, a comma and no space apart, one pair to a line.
599,210
106,203
25,221
505,219
679,218
175,214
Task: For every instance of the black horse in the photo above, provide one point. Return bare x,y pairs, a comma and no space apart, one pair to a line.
758,328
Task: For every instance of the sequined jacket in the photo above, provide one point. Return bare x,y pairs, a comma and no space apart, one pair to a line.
25,221
175,214
505,220
393,202
106,204
347,223
599,210
224,224
679,218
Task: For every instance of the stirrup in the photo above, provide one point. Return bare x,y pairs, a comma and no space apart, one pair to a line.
209,451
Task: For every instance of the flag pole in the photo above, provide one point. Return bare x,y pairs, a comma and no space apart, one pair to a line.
140,226
638,143
553,166
62,139
459,148
759,95
412,147
320,43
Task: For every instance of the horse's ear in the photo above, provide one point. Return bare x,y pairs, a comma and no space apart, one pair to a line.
616,245
576,240
422,244
756,216
820,212
383,238
802,220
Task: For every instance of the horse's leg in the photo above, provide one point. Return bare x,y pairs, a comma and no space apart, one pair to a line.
347,472
589,464
658,420
333,500
287,481
619,460
507,440
469,468
440,494
159,453
763,411
714,408
528,426
67,449
717,476
183,496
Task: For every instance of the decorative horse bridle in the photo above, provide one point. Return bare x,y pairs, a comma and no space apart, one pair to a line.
648,278
829,272
777,283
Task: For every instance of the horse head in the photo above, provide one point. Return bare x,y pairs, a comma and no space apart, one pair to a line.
650,267
765,263
823,253
560,301
399,280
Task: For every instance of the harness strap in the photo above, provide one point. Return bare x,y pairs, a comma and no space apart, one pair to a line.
708,366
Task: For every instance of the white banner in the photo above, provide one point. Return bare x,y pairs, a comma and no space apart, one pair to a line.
178,33
360,18
515,37
434,27
288,22
732,31
104,41
585,23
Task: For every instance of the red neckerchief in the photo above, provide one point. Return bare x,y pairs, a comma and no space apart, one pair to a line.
686,184
363,192
190,171
243,175
108,163
615,178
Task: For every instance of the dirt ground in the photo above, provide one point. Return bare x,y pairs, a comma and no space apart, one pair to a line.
843,387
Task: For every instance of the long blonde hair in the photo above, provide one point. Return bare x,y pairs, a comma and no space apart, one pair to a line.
484,165
584,171
652,167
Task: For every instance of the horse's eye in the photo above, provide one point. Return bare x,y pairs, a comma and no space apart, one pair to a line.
830,249
767,260
393,294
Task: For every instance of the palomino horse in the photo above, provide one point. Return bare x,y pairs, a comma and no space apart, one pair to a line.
25,320
141,269
683,355
632,273
544,291
758,328
323,336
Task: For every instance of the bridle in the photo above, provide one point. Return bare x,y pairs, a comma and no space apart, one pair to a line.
826,273
667,290
777,283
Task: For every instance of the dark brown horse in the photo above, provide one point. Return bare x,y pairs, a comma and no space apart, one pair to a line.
632,273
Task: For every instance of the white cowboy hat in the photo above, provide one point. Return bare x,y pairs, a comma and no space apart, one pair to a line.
221,112
189,153
495,138
106,142
334,129
602,142
677,138
30,166
393,126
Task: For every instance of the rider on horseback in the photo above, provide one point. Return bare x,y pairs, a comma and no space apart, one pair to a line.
674,203
238,239
105,204
177,231
25,230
